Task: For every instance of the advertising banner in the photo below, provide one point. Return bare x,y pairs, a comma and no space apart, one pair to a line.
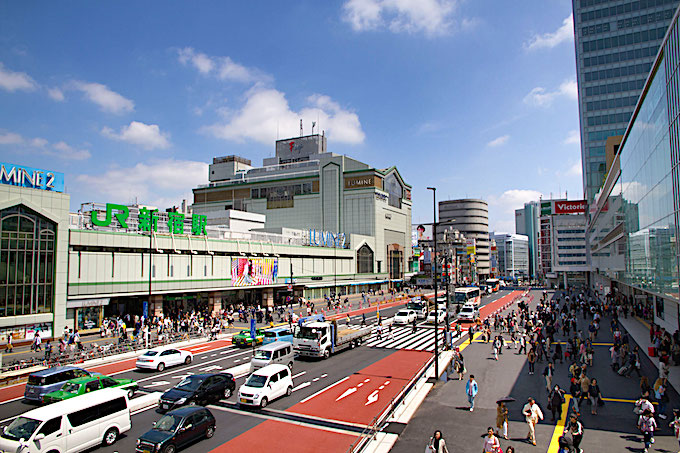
421,233
254,271
570,207
35,178
470,246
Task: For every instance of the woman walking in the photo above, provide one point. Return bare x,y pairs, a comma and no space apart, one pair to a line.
594,395
502,419
555,401
531,358
459,366
660,387
491,442
437,443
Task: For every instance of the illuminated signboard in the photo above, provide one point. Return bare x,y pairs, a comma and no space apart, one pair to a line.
254,271
34,178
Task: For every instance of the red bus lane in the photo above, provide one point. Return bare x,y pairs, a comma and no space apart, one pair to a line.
358,399
16,391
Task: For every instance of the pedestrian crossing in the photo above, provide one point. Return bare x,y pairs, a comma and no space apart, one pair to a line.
405,338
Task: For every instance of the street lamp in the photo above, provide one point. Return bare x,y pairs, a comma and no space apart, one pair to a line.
434,275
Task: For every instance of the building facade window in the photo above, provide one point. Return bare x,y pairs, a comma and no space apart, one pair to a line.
364,260
27,247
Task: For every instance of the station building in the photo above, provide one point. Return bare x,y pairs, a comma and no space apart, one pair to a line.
72,269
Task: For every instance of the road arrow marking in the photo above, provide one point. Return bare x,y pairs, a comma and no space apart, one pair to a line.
372,398
156,384
211,367
348,392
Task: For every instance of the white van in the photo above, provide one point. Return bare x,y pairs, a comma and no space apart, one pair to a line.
265,385
280,352
70,426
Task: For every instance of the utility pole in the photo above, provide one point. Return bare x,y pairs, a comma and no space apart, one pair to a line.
434,274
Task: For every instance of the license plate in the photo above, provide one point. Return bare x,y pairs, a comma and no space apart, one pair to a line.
243,400
166,406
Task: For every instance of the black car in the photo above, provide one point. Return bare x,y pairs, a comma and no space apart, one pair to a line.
198,389
177,429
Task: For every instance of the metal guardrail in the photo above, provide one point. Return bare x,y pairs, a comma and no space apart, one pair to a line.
97,351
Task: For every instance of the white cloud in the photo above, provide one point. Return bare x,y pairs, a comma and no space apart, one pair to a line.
549,40
266,111
60,149
161,182
148,136
10,138
224,68
502,140
65,151
502,207
14,81
56,94
105,98
574,138
541,97
575,170
432,17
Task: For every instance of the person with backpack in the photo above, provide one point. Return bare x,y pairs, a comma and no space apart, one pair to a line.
647,425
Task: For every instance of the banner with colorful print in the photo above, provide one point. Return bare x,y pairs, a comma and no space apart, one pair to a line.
254,271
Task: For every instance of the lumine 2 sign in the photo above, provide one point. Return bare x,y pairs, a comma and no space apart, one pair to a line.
147,219
34,178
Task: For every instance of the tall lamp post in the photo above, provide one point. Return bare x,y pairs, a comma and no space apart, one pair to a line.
434,275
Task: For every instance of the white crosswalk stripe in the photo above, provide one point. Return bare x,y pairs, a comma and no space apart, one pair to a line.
405,338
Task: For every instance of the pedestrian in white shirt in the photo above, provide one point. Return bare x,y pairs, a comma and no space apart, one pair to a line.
532,414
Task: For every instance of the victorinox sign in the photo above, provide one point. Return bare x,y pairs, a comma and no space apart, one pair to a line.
570,207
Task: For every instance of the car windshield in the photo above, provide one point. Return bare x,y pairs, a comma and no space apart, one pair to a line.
256,381
415,306
245,333
21,428
259,354
70,387
402,313
36,380
190,383
150,353
308,333
168,423
270,334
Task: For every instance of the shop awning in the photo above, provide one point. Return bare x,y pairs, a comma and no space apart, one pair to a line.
330,284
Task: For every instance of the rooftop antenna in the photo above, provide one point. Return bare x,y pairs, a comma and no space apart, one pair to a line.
565,194
313,124
300,127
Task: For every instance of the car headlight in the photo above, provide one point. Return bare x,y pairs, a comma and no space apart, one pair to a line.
138,442
181,401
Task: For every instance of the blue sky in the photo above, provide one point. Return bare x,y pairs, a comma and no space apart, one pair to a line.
133,99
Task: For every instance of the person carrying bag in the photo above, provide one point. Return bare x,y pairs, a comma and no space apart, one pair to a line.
437,444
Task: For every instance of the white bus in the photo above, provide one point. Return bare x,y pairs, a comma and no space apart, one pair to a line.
468,294
70,426
494,284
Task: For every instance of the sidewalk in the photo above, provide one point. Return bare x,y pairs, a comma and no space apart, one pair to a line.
638,330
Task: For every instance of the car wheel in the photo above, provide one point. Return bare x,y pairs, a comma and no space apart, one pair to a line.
169,449
227,392
110,436
210,432
131,393
289,391
326,354
161,366
263,402
187,361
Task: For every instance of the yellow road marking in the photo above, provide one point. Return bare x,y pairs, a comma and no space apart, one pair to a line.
559,427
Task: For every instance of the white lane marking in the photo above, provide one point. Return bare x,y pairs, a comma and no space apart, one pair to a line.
199,349
315,379
237,360
157,383
324,375
224,352
204,357
324,389
301,386
211,368
347,392
213,355
299,374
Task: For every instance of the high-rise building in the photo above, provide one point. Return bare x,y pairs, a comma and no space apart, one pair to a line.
513,254
526,223
470,217
616,44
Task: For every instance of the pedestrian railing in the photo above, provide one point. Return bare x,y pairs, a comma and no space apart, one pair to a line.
12,371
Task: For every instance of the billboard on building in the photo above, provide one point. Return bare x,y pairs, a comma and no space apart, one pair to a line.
470,246
421,233
569,207
34,178
254,271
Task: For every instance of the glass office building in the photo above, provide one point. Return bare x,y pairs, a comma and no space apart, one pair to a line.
616,43
633,221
